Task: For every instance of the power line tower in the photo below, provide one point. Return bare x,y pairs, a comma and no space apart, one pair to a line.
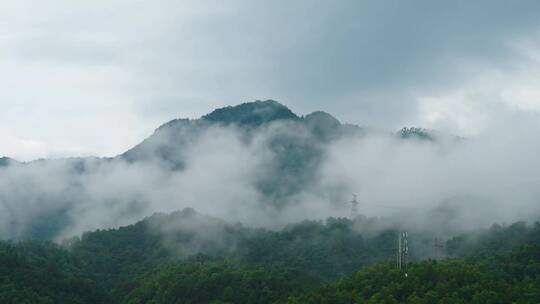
403,251
354,207
438,245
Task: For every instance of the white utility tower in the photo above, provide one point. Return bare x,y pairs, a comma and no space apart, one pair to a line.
403,251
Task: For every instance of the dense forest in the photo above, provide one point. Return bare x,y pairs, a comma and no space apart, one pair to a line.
510,278
163,259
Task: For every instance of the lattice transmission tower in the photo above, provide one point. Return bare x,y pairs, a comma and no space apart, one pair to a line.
403,251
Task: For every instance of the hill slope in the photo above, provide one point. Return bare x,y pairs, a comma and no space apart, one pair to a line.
511,278
185,257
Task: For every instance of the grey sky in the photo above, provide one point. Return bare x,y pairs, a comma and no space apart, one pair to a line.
96,77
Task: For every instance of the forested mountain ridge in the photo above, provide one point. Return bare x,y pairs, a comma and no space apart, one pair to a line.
323,250
186,257
321,126
296,143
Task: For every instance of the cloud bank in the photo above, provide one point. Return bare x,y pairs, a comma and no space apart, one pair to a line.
449,184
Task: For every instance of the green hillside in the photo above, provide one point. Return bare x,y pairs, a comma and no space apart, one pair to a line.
163,259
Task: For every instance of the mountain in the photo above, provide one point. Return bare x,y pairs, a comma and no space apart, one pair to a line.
296,143
286,150
168,141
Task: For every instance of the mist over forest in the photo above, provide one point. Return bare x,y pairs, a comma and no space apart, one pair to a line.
264,166
248,191
269,152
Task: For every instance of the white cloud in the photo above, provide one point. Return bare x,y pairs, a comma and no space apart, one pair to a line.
489,98
102,75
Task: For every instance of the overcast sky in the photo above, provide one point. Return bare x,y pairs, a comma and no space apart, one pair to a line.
96,77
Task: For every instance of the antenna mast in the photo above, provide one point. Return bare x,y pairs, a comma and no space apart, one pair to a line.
403,251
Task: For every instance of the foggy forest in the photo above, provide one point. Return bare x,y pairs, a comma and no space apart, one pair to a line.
269,152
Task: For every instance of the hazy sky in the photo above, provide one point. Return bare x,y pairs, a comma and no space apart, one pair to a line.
96,77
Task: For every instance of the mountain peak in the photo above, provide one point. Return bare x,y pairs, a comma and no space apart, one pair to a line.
322,124
322,117
251,113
